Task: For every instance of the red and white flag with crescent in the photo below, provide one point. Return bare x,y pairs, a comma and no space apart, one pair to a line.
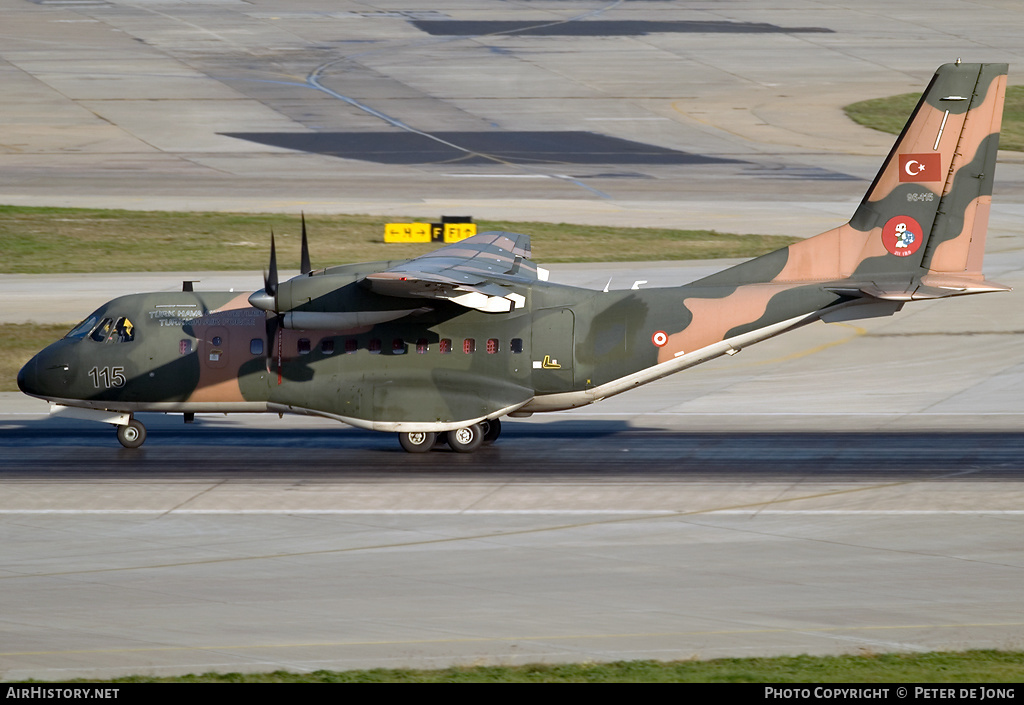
921,167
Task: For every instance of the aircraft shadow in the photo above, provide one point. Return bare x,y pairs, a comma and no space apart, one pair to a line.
597,449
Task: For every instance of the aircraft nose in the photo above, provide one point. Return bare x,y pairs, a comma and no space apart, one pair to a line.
27,376
23,375
42,376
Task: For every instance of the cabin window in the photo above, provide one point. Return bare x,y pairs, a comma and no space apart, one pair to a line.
327,346
304,346
421,346
492,346
469,346
375,346
185,346
351,345
124,330
445,346
516,346
398,346
256,346
216,341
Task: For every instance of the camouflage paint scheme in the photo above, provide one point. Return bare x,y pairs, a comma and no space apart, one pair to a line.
919,233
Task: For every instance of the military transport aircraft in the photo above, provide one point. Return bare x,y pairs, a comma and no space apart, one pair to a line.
441,347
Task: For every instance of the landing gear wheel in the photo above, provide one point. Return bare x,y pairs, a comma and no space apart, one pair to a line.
492,429
466,440
417,441
132,435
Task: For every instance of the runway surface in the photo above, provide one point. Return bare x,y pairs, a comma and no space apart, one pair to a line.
225,547
840,489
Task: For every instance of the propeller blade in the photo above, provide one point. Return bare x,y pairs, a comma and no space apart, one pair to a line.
270,278
266,300
270,283
305,267
273,324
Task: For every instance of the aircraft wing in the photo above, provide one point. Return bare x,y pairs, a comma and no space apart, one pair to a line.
478,272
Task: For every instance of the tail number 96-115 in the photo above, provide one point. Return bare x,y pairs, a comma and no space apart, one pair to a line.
107,377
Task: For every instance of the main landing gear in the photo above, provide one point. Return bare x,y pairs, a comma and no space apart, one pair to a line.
131,435
461,440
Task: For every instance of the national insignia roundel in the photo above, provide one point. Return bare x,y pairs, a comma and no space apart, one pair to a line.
902,236
660,338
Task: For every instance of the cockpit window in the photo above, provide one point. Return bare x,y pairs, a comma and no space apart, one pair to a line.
103,330
82,329
110,330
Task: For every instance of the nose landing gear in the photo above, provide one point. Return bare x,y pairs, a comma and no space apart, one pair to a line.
132,434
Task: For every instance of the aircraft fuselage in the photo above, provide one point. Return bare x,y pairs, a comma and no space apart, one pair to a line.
435,370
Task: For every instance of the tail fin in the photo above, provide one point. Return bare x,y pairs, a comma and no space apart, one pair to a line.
920,230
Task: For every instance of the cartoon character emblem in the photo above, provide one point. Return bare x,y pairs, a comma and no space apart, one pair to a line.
902,236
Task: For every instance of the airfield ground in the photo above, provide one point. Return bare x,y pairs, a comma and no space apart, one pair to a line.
840,489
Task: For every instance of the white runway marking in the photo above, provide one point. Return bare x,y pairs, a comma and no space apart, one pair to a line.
533,512
499,176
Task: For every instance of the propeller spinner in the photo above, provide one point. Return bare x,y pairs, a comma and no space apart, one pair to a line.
266,300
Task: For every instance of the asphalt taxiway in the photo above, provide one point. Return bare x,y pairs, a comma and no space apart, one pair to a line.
840,489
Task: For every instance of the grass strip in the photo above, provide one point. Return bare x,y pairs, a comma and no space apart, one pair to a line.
936,667
45,240
890,114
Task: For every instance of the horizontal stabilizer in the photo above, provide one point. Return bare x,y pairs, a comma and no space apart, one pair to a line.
930,288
